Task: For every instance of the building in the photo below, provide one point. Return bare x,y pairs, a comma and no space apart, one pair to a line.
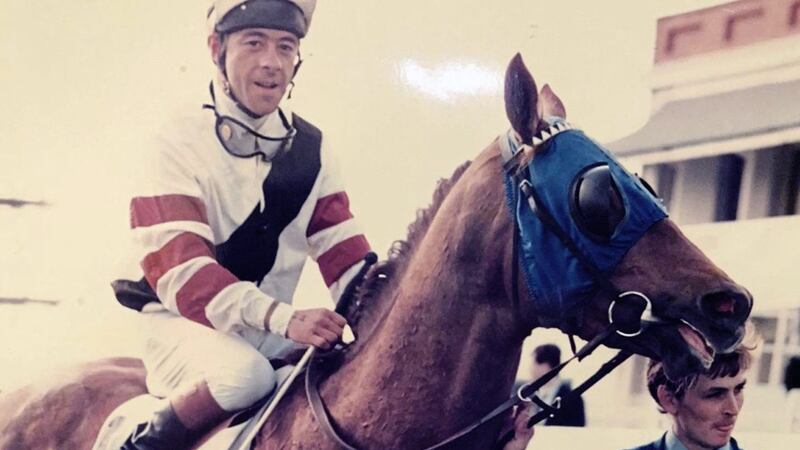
722,147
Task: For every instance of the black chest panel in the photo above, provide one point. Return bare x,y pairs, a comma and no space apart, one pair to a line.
249,253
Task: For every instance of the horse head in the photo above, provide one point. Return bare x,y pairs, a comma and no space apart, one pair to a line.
597,247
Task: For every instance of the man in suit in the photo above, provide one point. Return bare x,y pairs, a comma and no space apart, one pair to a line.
704,407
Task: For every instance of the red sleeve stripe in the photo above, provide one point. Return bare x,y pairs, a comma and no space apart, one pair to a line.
193,297
146,211
341,256
180,249
330,210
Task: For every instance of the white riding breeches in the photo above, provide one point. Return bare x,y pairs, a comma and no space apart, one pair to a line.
179,353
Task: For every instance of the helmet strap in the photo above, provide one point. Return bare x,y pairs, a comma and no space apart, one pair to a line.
294,74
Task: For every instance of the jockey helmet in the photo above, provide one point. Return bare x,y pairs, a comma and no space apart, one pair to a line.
228,16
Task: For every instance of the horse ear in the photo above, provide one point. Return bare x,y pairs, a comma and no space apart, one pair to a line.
550,104
521,99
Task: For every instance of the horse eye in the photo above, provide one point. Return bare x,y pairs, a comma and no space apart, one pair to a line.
596,203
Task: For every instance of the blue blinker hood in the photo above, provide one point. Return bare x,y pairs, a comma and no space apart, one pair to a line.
558,279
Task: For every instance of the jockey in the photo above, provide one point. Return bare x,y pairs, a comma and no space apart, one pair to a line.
239,193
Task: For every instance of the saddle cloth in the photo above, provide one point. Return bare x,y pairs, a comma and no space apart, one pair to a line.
119,424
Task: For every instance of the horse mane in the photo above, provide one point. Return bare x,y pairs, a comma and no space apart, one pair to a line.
383,276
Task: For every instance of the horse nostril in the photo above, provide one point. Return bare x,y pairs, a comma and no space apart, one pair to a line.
725,304
720,303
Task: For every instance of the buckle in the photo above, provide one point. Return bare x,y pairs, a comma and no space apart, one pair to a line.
522,397
526,188
555,406
645,317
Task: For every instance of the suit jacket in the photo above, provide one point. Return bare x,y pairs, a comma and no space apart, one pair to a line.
571,413
661,444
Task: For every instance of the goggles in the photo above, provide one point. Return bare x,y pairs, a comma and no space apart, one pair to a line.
241,141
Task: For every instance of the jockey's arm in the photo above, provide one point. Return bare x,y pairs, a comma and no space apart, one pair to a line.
338,245
170,225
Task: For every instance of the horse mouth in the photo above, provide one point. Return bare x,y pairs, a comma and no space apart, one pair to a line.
698,344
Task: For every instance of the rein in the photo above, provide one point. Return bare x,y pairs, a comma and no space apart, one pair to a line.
526,393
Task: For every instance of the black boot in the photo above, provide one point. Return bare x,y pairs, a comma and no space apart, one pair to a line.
162,432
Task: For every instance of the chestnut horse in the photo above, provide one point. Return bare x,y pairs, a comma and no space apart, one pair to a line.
441,322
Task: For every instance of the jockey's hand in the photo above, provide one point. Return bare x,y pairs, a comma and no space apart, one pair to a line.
319,327
519,423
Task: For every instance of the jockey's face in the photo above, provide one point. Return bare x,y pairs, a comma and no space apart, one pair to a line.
259,63
707,413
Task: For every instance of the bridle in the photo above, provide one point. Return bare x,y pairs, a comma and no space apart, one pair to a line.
625,318
628,314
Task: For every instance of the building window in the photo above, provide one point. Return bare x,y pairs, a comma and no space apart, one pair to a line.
787,184
662,178
701,190
773,180
729,183
779,335
766,328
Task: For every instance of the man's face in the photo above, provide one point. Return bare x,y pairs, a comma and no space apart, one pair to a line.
539,369
706,415
260,64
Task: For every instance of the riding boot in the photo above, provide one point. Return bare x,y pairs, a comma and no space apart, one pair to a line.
164,431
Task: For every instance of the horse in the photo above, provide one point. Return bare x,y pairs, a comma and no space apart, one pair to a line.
442,320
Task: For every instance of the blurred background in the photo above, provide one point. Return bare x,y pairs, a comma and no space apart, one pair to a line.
700,96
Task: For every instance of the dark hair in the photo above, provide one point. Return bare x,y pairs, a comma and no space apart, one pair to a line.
547,354
223,52
724,365
791,378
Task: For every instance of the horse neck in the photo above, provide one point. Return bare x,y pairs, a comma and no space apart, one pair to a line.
450,341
